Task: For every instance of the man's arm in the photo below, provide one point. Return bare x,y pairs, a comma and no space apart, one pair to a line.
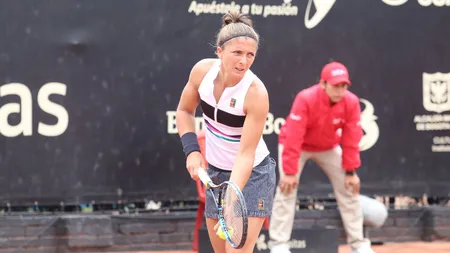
257,108
351,136
295,132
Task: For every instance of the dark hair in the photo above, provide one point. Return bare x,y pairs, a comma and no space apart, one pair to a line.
235,25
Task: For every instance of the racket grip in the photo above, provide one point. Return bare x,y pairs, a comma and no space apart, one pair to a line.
204,176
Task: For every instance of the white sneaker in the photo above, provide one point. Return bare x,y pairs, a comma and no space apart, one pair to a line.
280,248
363,249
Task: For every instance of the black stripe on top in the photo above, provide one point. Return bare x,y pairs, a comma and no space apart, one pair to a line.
217,130
223,117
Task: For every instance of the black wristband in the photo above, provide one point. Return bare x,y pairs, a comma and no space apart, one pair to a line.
190,143
349,173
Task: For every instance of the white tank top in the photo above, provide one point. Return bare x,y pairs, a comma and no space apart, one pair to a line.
224,120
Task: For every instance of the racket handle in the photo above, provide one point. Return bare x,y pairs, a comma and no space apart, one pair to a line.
204,176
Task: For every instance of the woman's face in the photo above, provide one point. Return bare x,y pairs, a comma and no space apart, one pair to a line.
237,56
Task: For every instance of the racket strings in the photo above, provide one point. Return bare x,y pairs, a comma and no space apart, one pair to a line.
233,214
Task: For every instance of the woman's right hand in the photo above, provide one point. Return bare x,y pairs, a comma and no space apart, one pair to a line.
194,161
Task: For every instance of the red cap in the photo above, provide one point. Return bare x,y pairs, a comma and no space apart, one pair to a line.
335,73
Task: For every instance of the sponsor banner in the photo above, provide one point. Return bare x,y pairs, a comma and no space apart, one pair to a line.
89,90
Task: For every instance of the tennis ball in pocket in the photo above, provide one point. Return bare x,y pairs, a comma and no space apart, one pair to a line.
221,234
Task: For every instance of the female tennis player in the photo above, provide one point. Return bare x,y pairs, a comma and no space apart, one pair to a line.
235,105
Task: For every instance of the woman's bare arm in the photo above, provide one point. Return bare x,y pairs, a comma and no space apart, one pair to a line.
257,108
186,117
189,100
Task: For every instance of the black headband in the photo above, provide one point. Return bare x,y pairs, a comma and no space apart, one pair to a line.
238,35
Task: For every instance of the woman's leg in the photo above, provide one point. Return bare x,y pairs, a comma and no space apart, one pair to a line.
254,229
221,246
211,213
258,194
217,243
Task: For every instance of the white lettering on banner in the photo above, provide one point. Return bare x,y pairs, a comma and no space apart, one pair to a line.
280,10
441,144
52,108
425,3
214,7
441,140
272,125
436,100
25,109
369,125
394,2
440,148
437,3
172,122
432,122
322,8
263,244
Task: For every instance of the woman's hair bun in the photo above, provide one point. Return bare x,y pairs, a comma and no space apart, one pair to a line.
236,17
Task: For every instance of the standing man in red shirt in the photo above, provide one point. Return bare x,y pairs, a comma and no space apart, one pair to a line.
324,126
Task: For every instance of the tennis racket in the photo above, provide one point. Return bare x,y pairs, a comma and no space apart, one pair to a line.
231,208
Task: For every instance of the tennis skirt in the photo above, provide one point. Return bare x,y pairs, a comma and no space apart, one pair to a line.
258,192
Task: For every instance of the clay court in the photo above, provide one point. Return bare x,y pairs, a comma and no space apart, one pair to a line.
410,247
407,247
